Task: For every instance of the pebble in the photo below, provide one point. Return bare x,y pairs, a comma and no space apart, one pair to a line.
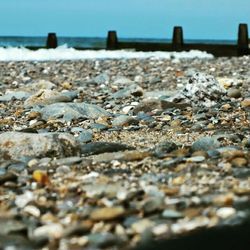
32,210
239,162
14,145
70,111
52,230
201,89
171,214
124,120
225,212
133,89
46,97
107,213
205,143
235,93
142,225
152,204
163,148
94,148
17,95
245,103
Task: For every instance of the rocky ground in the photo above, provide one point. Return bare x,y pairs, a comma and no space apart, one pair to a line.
111,154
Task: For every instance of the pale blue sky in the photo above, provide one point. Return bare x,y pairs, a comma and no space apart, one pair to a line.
201,19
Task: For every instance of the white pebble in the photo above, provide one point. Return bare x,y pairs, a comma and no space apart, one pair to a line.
225,212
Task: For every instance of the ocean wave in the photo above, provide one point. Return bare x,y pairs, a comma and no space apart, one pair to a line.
65,53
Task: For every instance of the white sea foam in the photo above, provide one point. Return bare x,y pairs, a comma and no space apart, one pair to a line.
65,53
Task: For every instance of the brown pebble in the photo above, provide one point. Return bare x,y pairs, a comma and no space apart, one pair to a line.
107,213
33,114
239,162
245,103
235,93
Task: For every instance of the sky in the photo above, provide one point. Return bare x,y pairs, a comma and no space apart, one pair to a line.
200,19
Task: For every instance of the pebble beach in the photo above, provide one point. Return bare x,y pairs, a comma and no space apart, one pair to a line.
116,153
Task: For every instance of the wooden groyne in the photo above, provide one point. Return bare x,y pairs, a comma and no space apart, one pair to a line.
178,44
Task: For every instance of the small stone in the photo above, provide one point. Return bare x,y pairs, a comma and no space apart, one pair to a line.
178,180
152,204
226,107
132,155
205,143
46,96
52,230
17,95
235,93
224,200
41,177
133,89
63,169
33,115
32,210
124,120
142,225
196,159
245,103
175,123
225,212
102,240
103,147
107,213
160,229
70,111
164,148
239,162
23,199
14,145
171,214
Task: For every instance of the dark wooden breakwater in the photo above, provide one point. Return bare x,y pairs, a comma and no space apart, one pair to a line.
178,44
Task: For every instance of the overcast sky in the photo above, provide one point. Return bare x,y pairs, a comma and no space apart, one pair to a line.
201,19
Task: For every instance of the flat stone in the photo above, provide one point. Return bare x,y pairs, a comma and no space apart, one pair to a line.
239,162
85,136
163,148
94,148
70,111
103,240
171,214
107,213
124,120
17,95
52,230
131,90
47,96
38,85
158,94
205,143
152,204
132,155
67,161
14,145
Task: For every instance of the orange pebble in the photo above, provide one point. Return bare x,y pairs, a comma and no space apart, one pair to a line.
41,177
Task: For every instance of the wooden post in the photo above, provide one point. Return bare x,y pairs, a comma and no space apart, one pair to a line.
51,41
112,41
242,43
177,39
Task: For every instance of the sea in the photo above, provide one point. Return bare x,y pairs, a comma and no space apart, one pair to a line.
88,42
